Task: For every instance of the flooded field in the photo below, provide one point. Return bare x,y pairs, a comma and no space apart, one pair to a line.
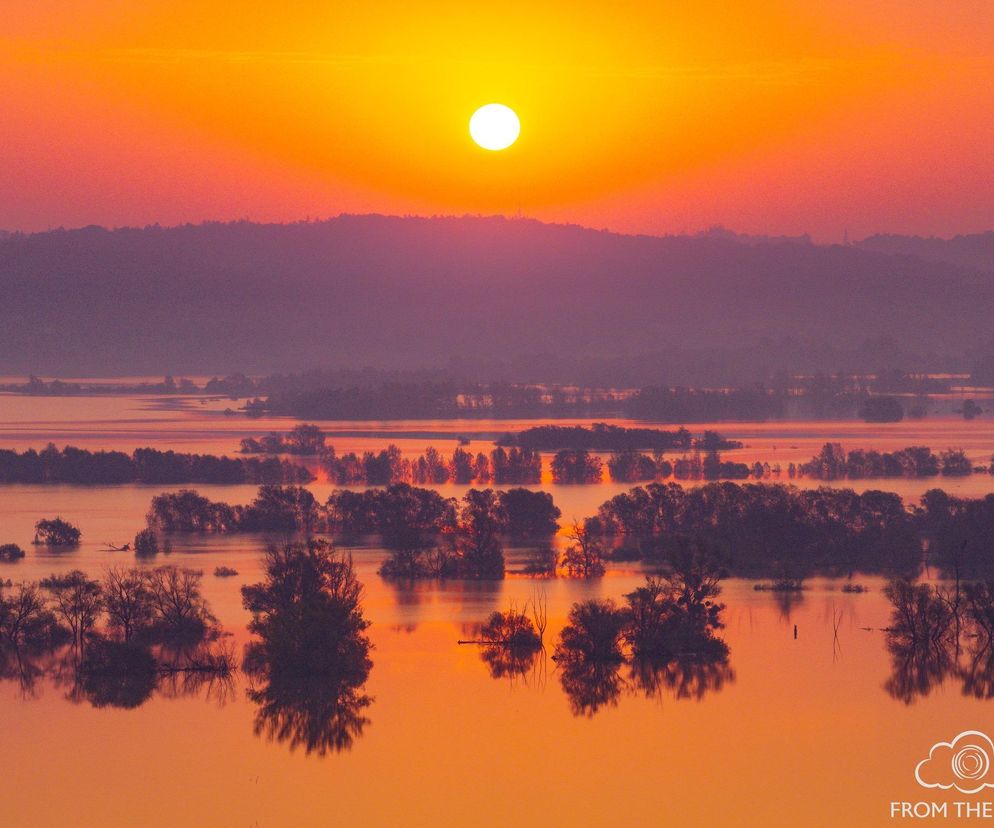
810,690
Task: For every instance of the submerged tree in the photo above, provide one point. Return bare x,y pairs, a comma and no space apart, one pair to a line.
677,613
307,613
589,654
584,557
117,674
510,643
11,552
576,466
479,551
56,532
25,620
177,604
146,543
78,601
312,657
126,601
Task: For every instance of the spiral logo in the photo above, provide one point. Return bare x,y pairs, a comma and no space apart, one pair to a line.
971,763
963,764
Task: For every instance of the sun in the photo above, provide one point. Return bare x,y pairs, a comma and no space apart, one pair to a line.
494,126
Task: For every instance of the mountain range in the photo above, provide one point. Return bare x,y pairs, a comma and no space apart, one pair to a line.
405,292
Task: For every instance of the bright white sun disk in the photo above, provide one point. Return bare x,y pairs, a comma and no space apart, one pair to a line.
494,126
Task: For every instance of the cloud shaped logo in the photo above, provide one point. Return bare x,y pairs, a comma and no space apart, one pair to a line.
965,764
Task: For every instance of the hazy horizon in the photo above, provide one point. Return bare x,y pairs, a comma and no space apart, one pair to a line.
712,229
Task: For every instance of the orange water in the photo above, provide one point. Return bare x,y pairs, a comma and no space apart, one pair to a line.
804,734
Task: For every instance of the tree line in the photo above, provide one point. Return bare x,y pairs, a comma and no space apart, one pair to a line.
833,463
516,459
145,465
605,437
754,529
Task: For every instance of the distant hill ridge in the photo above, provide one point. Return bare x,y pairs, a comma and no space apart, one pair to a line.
975,250
400,292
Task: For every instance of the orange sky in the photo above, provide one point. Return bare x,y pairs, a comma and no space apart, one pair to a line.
779,117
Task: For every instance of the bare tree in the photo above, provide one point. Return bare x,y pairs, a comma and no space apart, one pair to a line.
584,557
24,618
78,601
540,612
176,600
127,599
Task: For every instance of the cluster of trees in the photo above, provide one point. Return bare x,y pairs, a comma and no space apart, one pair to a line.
121,632
834,463
120,638
303,439
601,437
513,465
690,405
635,467
960,533
400,513
348,397
665,633
576,466
429,537
517,465
56,532
11,552
285,509
35,386
759,528
144,465
768,530
351,396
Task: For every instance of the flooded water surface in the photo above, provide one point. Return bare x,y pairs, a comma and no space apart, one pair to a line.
811,720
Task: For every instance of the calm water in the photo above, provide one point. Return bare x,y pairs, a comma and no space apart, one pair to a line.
796,731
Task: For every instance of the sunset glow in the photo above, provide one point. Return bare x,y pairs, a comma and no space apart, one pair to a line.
769,117
496,414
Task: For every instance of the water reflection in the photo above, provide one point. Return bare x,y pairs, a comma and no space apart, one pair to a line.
917,667
515,663
684,677
940,633
321,714
308,668
665,634
590,685
22,667
123,675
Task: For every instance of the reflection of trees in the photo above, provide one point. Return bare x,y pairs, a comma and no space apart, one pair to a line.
684,677
590,685
122,674
786,600
312,658
917,667
977,673
666,634
510,662
929,626
23,667
320,713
